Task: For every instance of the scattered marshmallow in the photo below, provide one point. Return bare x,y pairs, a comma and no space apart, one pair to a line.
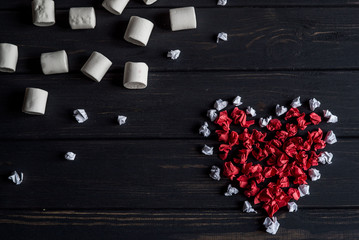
247,207
314,174
263,122
207,150
296,102
231,191
135,75
96,66
292,207
237,101
16,178
325,157
271,225
313,104
138,31
222,2
115,6
212,114
204,130
43,13
149,2
303,190
215,173
250,111
280,110
330,138
82,18
80,115
331,117
174,54
35,101
54,62
220,104
222,36
183,18
121,119
9,54
70,156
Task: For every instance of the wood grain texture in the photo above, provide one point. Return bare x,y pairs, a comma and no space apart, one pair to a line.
64,4
148,179
174,105
177,224
146,174
261,38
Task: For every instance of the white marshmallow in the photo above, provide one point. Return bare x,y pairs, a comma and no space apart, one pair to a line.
8,57
82,18
149,2
138,31
43,13
135,76
35,101
96,66
115,6
54,62
183,18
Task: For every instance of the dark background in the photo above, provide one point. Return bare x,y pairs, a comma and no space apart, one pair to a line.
147,179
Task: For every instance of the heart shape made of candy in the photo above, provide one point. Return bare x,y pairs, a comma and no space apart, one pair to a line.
271,163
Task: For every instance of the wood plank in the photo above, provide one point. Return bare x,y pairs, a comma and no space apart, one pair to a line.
174,104
19,4
146,174
177,224
259,38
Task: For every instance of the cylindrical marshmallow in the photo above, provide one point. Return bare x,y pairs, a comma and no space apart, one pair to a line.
115,6
138,31
149,2
43,13
35,101
54,62
135,76
183,18
82,18
8,57
96,66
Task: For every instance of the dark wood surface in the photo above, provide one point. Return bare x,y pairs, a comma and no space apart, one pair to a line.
147,179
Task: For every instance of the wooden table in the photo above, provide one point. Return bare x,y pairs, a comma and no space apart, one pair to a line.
147,179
